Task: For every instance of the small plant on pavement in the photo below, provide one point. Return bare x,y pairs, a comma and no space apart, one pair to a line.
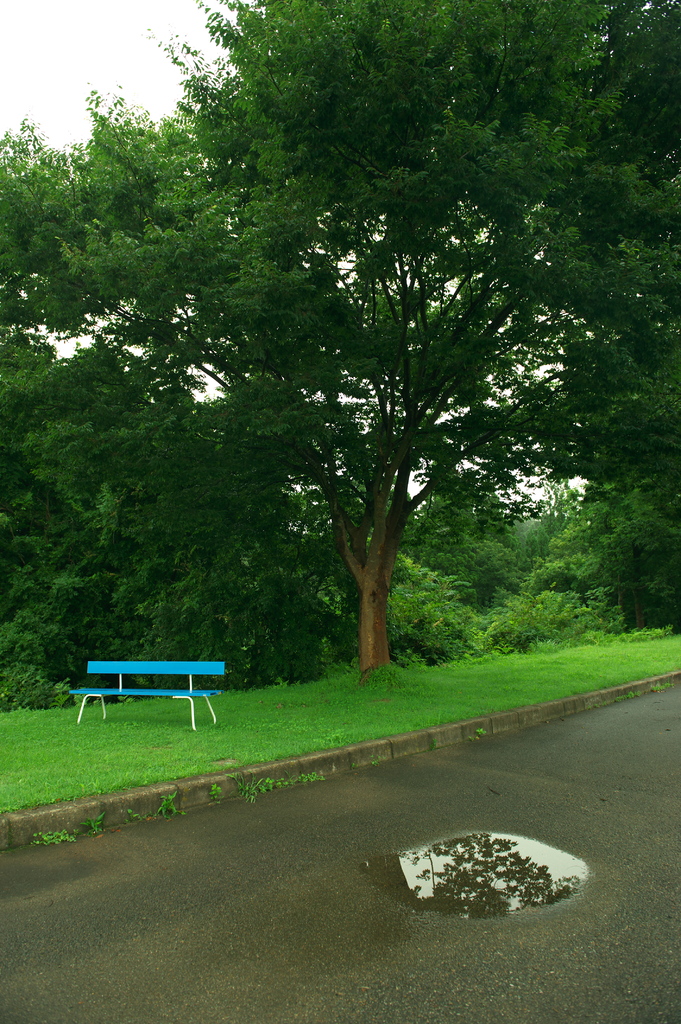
93,826
303,779
310,777
168,808
252,789
47,838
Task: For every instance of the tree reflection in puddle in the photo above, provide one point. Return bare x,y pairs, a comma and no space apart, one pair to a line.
479,875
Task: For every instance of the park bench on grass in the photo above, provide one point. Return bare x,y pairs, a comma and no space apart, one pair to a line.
153,668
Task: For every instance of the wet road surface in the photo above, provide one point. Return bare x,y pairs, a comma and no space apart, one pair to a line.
264,914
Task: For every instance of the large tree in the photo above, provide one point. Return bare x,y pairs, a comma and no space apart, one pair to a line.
417,244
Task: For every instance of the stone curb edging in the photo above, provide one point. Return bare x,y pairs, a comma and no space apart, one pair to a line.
18,828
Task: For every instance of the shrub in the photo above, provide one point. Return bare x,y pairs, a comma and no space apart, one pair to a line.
427,620
634,637
28,687
548,617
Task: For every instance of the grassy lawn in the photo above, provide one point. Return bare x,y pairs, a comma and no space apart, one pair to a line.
45,756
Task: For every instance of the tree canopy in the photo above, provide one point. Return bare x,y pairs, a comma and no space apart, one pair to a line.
418,245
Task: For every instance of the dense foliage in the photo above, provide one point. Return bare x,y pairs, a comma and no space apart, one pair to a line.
589,567
129,529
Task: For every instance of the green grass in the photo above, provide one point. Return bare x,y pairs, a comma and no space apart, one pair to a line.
46,757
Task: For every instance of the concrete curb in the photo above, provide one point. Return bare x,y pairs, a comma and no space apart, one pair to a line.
18,828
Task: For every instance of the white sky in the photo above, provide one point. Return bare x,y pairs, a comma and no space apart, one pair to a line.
55,52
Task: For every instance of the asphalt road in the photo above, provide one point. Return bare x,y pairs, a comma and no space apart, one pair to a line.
263,914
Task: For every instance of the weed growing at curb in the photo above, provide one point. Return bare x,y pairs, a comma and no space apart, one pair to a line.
132,816
168,808
47,838
251,790
309,777
626,696
93,826
215,792
280,783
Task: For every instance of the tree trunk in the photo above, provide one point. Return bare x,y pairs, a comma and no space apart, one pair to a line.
371,563
373,628
369,548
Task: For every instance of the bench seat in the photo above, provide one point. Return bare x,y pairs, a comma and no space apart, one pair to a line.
135,692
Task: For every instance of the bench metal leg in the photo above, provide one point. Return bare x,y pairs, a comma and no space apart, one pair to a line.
215,721
83,705
183,696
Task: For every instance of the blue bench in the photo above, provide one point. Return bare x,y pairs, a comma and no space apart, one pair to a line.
153,668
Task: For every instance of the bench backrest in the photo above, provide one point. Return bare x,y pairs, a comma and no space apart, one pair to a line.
158,668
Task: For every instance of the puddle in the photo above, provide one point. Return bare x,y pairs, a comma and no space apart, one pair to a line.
482,874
